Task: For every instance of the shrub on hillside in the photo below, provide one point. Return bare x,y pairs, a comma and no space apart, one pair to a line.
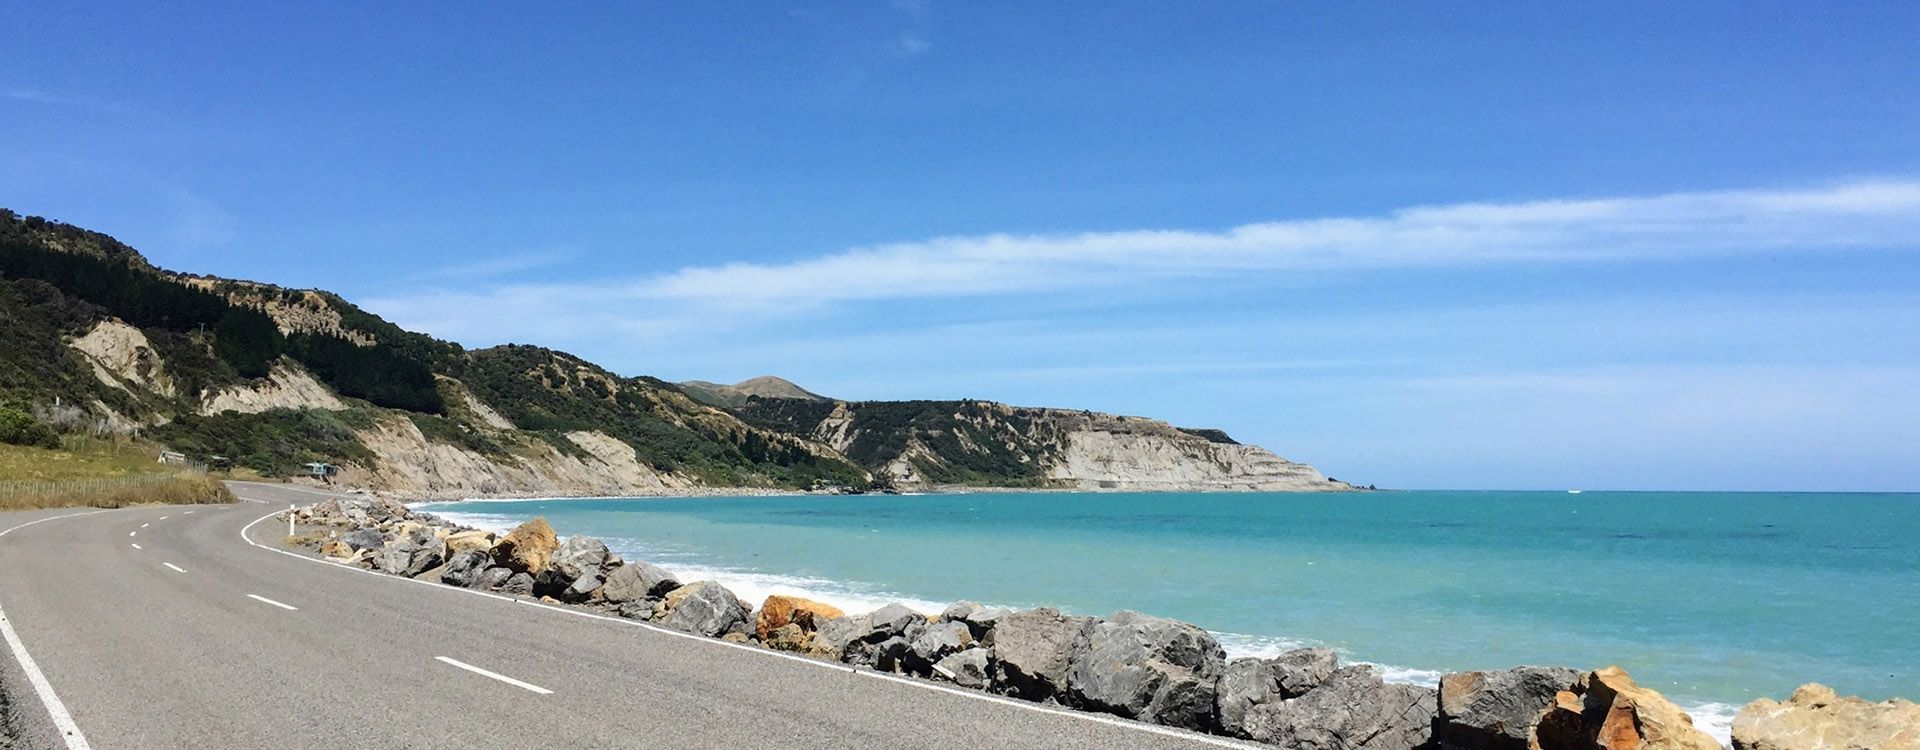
17,427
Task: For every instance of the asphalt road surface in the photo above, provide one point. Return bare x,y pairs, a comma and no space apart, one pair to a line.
189,627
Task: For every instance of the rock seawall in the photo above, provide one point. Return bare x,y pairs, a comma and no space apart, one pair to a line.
1127,664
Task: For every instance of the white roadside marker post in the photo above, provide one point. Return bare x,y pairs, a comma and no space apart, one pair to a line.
289,519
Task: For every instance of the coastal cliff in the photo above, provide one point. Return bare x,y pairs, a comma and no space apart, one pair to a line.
272,379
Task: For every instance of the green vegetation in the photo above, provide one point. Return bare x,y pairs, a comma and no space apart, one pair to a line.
547,391
1212,435
35,363
97,473
977,443
277,442
247,339
57,282
17,427
378,374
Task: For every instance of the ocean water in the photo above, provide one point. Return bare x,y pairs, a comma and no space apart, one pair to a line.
1712,598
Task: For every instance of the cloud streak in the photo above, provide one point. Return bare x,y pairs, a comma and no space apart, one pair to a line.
1852,215
37,96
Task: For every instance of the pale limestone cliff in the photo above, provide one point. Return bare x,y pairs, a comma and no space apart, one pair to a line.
286,386
1080,450
408,465
1130,453
1158,461
122,357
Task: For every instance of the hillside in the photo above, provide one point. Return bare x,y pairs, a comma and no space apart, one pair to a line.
736,395
275,378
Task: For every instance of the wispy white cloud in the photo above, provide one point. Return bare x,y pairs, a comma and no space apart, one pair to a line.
911,44
37,96
495,267
1877,213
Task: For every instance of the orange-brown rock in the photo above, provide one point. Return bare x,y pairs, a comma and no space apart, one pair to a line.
528,548
1605,710
468,541
336,548
782,610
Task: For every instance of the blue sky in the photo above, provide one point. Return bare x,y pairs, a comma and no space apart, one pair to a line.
1420,245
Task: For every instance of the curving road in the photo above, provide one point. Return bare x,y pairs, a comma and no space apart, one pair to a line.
161,627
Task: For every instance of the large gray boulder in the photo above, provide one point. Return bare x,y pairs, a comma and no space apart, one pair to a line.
360,539
1498,710
703,607
1149,668
979,619
407,558
581,588
578,556
893,620
1352,710
520,584
835,639
935,642
491,578
636,581
893,655
1248,683
958,611
464,568
966,668
1033,649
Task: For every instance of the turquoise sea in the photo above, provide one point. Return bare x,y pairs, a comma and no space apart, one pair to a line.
1713,598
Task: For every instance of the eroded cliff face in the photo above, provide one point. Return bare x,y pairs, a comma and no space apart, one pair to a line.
122,358
1106,452
1097,459
407,464
981,443
287,386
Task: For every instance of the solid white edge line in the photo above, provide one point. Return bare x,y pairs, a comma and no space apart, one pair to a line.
176,568
62,721
495,675
1114,721
287,607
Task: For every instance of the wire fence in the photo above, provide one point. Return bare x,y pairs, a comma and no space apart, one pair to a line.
52,487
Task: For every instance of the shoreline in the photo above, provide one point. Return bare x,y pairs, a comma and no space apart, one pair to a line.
1713,717
1137,666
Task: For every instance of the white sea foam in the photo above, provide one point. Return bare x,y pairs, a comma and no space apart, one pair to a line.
1716,719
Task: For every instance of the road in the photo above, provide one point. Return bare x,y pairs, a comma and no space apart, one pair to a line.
165,627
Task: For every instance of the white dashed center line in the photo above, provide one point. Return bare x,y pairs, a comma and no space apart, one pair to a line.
259,598
163,518
175,568
131,533
188,513
144,525
495,675
137,546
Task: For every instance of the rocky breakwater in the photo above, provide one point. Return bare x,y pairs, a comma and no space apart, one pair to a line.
1127,664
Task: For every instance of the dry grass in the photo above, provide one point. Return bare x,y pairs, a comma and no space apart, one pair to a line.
98,474
309,539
